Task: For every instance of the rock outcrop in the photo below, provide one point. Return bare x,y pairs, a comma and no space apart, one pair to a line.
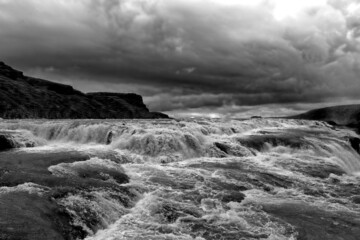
5,143
14,139
27,97
355,143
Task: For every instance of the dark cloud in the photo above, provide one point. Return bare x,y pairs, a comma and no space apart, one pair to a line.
187,55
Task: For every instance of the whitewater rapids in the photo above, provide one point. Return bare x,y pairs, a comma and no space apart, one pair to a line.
190,179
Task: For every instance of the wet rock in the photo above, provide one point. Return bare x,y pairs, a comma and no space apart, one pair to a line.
314,191
321,170
258,142
332,123
10,140
268,188
275,180
94,209
5,142
218,184
232,149
211,231
104,175
252,177
94,168
313,223
355,199
334,179
223,147
29,216
47,216
355,143
233,197
170,211
173,183
109,138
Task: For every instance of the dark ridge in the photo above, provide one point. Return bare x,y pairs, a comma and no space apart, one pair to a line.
26,97
9,72
345,115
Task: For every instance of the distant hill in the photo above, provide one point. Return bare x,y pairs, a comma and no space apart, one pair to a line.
26,97
347,115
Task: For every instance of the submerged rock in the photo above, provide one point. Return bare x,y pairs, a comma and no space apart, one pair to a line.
258,142
233,196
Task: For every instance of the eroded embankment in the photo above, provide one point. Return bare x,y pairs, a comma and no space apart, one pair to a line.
254,179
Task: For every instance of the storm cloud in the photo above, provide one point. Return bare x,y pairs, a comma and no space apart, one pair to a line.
191,55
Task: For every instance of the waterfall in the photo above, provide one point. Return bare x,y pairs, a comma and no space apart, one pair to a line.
179,140
168,179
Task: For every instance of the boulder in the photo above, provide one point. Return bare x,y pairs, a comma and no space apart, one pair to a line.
12,139
6,142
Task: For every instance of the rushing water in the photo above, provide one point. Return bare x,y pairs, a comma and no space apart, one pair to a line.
168,179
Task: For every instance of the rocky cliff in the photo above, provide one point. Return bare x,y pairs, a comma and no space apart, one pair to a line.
26,97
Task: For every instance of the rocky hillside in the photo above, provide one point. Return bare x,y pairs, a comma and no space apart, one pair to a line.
347,115
27,97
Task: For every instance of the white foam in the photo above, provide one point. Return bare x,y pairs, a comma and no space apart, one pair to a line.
77,168
95,206
30,188
168,161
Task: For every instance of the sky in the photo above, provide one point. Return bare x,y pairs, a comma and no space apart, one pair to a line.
232,58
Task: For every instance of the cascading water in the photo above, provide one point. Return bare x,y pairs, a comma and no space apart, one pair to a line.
199,179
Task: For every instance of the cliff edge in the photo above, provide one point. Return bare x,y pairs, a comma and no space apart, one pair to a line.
26,97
